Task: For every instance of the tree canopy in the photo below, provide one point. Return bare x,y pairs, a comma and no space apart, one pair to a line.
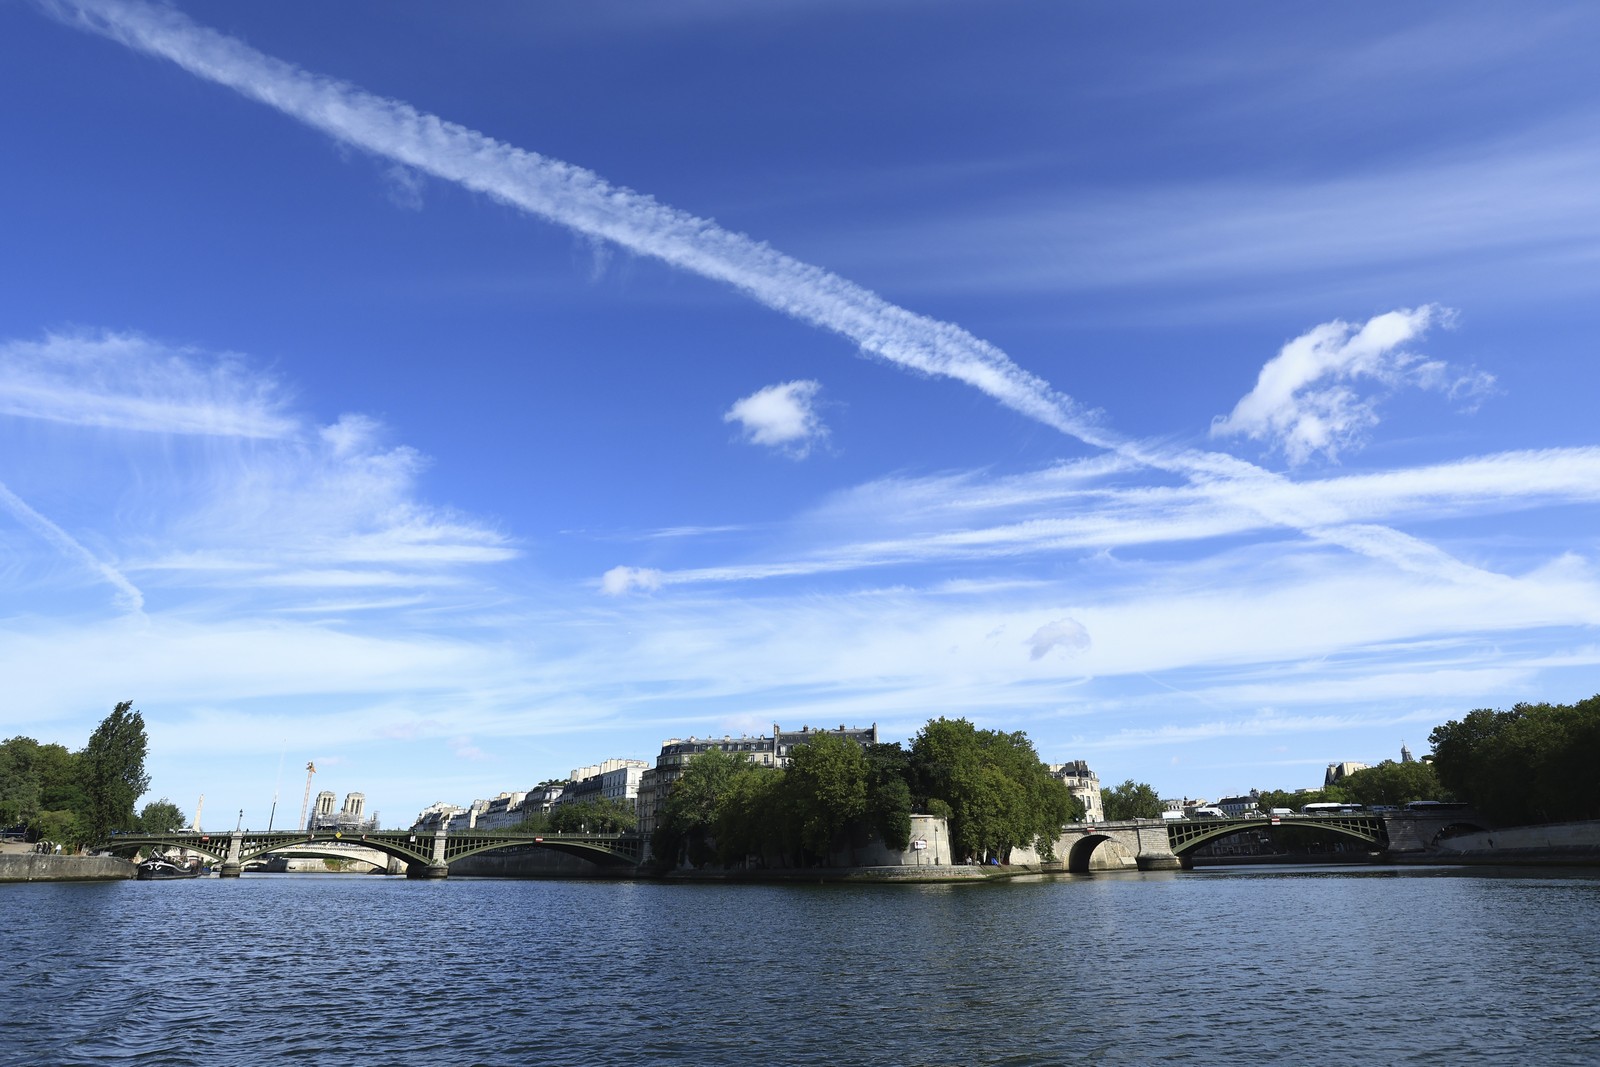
837,795
828,789
1390,784
1535,763
113,770
694,803
161,817
74,798
603,815
1000,795
1131,800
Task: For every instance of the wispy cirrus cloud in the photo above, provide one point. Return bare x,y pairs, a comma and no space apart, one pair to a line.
252,491
129,596
123,381
584,202
1516,210
1088,507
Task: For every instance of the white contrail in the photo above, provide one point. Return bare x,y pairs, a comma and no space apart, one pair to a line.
129,595
583,201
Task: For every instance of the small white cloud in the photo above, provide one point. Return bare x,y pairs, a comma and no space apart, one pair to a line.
619,580
781,416
1306,402
1065,634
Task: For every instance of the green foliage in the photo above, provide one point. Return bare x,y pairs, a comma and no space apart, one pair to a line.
836,794
693,805
65,828
35,778
755,817
889,794
161,817
536,822
1267,799
1535,763
1130,800
602,815
1000,796
889,813
112,765
1391,784
827,783
1076,810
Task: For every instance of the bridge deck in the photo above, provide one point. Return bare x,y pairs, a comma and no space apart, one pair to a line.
429,849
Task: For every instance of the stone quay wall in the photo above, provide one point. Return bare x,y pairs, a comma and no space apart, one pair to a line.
30,867
1558,844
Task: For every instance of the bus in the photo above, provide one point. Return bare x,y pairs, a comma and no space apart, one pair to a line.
1332,807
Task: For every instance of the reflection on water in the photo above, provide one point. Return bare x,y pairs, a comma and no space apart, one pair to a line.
1267,964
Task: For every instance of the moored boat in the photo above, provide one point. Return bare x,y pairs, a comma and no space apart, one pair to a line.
159,868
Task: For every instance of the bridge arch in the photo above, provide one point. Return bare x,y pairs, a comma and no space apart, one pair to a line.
423,854
1097,851
1189,835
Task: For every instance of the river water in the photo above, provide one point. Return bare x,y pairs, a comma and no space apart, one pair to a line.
1243,965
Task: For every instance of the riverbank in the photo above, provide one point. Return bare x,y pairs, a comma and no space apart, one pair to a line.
1571,844
36,867
812,875
1291,859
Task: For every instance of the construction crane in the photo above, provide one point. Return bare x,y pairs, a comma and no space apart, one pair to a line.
305,802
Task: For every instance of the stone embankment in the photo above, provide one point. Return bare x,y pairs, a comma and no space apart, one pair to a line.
898,874
33,867
1558,844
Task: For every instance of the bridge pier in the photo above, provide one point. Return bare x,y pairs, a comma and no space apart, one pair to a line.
1155,849
233,863
427,870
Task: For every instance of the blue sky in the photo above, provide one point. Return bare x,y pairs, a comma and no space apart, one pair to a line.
457,399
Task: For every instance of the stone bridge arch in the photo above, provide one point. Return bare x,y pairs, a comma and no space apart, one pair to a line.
1097,852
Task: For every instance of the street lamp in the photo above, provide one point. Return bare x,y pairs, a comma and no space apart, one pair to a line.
240,824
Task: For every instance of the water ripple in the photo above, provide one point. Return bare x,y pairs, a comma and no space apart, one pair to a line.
1389,966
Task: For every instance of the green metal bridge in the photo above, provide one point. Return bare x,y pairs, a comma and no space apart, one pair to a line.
1186,835
1162,844
424,854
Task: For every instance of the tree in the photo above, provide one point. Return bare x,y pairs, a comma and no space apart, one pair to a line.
35,778
889,794
828,788
161,817
1392,784
64,828
534,822
755,817
1000,795
113,771
1534,763
693,804
603,815
1130,800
